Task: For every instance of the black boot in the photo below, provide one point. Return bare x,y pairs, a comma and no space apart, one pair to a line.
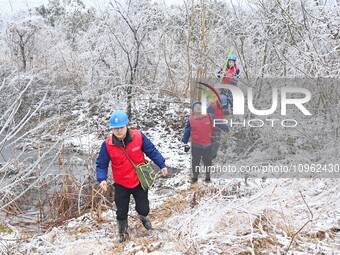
122,229
193,180
146,222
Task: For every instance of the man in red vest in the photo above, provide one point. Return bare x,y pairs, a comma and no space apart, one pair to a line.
126,182
200,128
230,76
232,72
217,109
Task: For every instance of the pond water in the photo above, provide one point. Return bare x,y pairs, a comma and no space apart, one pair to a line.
54,166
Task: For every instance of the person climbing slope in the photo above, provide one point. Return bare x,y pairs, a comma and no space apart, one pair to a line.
123,145
200,128
230,76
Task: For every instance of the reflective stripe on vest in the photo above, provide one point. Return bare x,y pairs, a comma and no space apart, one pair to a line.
230,74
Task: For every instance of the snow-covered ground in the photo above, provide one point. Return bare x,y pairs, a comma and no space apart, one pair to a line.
228,216
225,217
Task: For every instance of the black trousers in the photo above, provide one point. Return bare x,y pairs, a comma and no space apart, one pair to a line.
199,154
216,137
122,200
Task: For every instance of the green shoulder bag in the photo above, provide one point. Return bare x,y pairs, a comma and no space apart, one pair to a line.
146,174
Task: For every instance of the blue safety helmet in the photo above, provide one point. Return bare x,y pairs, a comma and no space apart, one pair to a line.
232,57
224,100
118,119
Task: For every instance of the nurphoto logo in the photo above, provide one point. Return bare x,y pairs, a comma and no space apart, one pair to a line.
239,103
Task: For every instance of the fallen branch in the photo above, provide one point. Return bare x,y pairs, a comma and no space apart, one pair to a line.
310,220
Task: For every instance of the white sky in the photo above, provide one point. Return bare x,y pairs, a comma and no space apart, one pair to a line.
8,7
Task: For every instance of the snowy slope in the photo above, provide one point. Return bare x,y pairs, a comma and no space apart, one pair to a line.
226,217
